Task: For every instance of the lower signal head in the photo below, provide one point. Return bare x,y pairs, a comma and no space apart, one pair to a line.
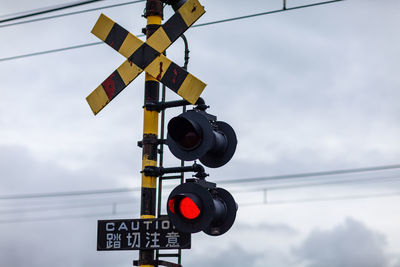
193,207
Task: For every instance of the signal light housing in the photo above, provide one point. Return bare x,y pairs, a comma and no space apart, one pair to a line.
196,134
198,205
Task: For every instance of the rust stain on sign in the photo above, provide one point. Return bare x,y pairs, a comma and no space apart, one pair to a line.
109,86
160,73
175,75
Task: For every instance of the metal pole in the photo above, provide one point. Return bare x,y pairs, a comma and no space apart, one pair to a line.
153,14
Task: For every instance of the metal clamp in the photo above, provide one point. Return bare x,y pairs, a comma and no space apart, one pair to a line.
159,106
151,141
159,171
157,263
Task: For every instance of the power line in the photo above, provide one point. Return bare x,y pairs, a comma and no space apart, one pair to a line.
198,25
50,51
49,10
66,207
392,179
112,202
25,12
265,13
310,174
358,181
71,193
234,181
52,218
347,197
293,201
71,13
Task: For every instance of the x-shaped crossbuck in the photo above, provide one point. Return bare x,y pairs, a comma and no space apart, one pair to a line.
147,56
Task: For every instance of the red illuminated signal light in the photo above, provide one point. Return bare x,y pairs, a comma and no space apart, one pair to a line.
198,205
189,209
171,205
185,206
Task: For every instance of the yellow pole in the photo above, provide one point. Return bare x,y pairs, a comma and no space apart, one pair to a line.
154,14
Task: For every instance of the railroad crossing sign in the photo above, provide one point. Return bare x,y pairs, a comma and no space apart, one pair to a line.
140,234
147,56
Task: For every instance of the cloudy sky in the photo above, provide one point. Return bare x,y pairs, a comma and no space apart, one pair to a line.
307,90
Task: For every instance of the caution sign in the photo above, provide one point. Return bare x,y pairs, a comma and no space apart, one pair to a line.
147,56
140,234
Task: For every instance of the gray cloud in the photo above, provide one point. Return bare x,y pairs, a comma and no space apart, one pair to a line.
397,263
61,243
22,172
270,228
47,231
351,244
233,256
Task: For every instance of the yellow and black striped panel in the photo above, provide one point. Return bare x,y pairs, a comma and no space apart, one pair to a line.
176,78
191,11
128,45
147,56
97,99
116,36
110,32
113,85
186,15
103,27
144,55
191,89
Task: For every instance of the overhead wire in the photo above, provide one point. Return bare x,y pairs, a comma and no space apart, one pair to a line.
194,26
310,174
52,218
384,180
71,193
113,203
65,207
265,13
71,13
46,10
305,200
31,11
50,51
235,181
280,202
296,177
